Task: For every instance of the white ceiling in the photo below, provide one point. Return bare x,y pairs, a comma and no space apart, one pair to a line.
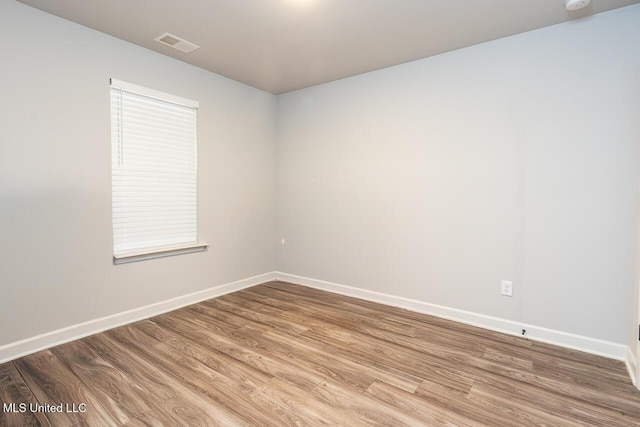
283,45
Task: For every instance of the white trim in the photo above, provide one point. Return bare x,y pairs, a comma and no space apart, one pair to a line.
21,348
27,346
632,368
153,253
152,93
564,339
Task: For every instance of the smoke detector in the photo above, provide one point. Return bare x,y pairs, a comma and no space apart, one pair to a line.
576,4
176,42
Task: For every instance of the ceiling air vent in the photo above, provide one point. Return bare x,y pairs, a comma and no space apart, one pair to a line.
176,43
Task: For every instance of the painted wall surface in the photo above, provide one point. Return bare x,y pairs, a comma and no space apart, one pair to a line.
433,180
514,159
55,176
634,338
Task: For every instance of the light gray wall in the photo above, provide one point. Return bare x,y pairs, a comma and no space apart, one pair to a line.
633,342
55,176
514,159
434,180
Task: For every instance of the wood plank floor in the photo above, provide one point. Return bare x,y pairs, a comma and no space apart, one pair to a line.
281,354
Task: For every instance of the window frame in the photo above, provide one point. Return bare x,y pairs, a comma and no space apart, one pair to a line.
157,251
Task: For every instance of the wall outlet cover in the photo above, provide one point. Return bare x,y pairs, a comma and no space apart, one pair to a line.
507,288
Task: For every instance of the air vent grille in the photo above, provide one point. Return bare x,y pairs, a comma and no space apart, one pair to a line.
176,42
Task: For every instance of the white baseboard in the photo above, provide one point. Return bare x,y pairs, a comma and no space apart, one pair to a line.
564,339
21,348
632,367
612,350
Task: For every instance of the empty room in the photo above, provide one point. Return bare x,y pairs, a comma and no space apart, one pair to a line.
320,212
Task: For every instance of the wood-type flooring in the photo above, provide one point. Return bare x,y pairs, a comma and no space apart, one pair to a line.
280,354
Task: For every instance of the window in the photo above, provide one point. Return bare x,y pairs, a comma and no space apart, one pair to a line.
154,173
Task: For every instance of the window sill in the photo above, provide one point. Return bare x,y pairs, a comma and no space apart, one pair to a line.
135,256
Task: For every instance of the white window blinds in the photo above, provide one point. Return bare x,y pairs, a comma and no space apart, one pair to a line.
154,170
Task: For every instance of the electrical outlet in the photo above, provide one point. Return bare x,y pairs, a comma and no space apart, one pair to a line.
507,288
